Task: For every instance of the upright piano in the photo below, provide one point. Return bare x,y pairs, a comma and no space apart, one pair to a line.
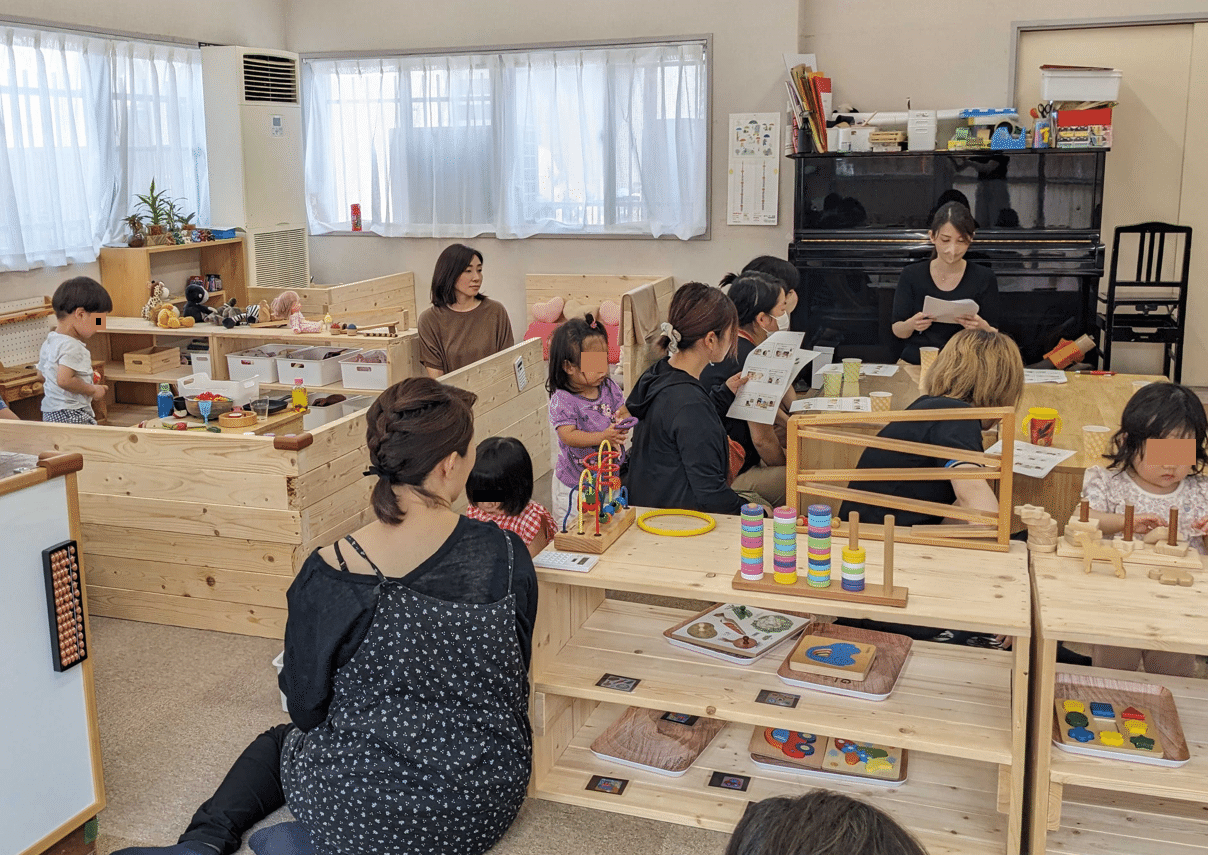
859,218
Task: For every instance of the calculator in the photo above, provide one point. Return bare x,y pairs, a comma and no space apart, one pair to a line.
551,559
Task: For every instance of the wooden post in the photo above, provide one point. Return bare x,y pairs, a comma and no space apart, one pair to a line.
1172,536
888,578
1128,523
1084,511
853,530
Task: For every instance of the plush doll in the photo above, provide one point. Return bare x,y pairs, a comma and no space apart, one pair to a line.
549,312
159,297
287,304
168,317
228,315
195,305
574,309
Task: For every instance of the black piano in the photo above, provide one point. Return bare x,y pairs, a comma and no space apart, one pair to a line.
859,218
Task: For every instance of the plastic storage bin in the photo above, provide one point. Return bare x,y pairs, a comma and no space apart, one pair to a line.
1080,84
201,363
365,375
239,391
242,365
310,365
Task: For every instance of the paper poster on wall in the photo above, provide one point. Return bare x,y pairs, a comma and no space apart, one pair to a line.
754,163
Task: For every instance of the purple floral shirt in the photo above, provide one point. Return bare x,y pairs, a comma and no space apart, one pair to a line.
592,416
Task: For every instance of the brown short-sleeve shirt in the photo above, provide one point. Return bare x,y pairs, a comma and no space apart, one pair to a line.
449,340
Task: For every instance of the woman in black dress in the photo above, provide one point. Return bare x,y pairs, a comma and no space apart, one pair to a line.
947,276
406,659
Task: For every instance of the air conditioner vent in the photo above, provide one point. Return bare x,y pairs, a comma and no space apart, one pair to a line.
280,258
270,78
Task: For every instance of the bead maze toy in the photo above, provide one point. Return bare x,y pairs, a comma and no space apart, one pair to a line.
885,594
1159,551
599,503
810,433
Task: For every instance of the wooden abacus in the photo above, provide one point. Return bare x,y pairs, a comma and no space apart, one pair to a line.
65,605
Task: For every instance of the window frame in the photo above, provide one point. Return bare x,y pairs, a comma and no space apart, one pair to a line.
704,38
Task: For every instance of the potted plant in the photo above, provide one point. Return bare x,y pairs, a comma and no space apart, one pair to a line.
135,222
154,204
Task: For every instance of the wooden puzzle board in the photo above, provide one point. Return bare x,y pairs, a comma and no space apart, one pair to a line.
835,657
1102,725
780,748
1142,555
736,632
1156,701
892,651
664,742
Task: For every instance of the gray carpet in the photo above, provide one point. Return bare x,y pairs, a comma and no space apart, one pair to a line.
176,706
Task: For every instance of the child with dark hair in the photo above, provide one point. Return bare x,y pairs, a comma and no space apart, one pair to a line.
68,390
819,823
585,404
785,271
500,490
1131,477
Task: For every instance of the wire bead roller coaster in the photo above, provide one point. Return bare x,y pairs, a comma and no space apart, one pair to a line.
599,501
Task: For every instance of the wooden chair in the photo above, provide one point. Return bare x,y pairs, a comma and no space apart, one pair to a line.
813,440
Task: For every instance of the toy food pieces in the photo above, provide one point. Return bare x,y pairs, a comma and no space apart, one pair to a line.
833,657
1121,729
237,417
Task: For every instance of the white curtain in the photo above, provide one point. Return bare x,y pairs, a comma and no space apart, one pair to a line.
570,141
86,123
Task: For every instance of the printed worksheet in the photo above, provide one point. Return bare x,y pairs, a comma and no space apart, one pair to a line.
1034,460
772,367
947,311
867,369
832,405
1040,375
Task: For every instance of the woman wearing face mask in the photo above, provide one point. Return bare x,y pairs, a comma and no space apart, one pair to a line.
947,276
761,303
680,455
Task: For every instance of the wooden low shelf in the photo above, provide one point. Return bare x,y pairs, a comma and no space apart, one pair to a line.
1128,825
961,711
950,699
949,803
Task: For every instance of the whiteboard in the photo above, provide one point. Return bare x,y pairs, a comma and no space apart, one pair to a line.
45,759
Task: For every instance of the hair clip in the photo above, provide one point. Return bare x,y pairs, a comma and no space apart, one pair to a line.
673,337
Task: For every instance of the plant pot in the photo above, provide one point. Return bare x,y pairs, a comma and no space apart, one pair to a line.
154,230
136,241
159,240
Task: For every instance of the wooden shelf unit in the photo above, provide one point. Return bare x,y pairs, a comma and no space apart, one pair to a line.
126,272
961,711
1090,805
125,334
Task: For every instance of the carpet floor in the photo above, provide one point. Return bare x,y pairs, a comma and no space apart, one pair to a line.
176,706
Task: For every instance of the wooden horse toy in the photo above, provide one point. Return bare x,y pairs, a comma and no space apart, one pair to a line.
1094,548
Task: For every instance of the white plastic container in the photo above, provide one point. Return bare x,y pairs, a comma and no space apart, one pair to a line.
242,366
311,367
201,363
365,375
239,391
1079,84
279,664
921,130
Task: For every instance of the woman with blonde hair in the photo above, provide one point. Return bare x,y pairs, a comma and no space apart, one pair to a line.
977,368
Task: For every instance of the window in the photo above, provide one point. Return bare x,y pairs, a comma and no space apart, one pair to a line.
86,123
595,140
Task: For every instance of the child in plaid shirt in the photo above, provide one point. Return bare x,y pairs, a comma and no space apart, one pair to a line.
500,490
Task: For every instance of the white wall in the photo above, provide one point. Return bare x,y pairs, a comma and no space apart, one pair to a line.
252,22
748,41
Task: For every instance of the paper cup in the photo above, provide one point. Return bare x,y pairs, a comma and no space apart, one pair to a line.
927,357
881,401
1095,440
851,389
831,384
851,370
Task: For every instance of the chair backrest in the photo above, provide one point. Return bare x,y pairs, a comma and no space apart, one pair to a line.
1159,246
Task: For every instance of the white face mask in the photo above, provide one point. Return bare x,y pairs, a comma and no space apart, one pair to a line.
782,322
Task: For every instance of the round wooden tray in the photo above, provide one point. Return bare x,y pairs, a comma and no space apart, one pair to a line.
243,420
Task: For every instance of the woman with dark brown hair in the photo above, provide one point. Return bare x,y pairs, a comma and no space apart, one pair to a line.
463,325
406,665
680,456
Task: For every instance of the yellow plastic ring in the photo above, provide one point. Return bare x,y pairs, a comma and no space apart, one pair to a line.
709,525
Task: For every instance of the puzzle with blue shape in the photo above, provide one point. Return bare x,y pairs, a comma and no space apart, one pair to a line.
1115,728
834,657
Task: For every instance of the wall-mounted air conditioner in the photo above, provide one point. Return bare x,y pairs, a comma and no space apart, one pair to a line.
254,150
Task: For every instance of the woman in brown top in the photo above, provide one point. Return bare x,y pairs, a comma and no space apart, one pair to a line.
463,326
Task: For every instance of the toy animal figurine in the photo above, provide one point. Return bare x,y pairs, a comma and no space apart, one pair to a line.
195,303
1094,548
159,297
227,315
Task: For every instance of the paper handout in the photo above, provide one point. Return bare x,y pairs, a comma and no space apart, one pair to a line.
771,368
1034,460
947,311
